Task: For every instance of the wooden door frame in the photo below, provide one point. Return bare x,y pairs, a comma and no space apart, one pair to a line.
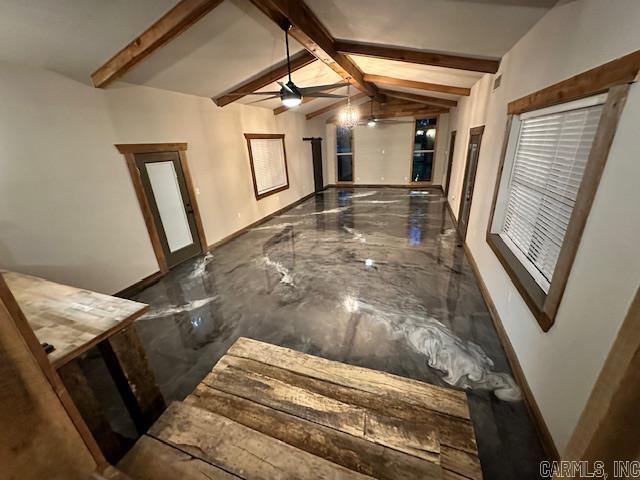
609,419
472,131
129,150
452,144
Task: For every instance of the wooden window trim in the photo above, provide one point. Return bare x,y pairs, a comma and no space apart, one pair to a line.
612,78
252,136
129,151
353,161
428,183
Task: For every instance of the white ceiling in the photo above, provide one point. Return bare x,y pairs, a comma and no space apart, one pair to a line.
483,28
230,45
72,37
236,42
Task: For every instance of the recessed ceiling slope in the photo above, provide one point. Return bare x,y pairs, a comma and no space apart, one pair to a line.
72,37
483,28
232,44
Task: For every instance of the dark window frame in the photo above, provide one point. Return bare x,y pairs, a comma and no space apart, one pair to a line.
344,154
413,151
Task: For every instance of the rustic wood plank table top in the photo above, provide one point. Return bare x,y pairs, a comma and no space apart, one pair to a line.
71,319
267,412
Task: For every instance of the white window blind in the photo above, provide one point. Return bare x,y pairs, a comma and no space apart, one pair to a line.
268,164
550,158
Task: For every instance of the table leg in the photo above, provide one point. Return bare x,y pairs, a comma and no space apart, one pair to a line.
112,445
127,362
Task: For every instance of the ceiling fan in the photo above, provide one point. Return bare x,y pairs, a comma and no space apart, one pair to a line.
371,121
290,94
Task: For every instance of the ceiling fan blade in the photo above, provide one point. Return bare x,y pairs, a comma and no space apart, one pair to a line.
263,99
320,88
324,95
284,85
242,94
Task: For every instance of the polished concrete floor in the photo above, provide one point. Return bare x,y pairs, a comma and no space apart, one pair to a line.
370,277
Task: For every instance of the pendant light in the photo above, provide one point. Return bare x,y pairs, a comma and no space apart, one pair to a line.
349,116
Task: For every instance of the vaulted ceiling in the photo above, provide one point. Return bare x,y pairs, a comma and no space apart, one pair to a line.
236,42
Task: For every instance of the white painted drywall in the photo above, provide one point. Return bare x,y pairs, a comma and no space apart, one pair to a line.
561,366
68,211
382,154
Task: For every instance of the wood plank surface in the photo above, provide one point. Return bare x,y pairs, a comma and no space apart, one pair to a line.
39,438
71,319
351,452
439,399
240,450
458,450
354,420
150,459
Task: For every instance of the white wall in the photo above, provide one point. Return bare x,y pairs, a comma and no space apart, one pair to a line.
383,154
68,211
561,366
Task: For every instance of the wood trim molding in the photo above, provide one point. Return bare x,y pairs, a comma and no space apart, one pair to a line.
433,87
314,36
272,74
244,230
154,236
125,148
435,101
452,145
610,420
129,151
621,71
252,136
333,106
532,406
418,56
169,26
543,306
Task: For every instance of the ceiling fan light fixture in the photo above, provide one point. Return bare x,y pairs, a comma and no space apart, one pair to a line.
291,101
371,123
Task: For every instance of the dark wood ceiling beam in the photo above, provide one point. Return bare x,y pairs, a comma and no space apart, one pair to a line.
169,26
418,56
273,74
432,87
389,111
312,35
333,106
427,100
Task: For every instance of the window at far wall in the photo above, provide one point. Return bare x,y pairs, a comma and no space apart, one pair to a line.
344,153
268,161
423,149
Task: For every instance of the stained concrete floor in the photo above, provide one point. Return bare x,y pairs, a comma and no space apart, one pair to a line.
370,277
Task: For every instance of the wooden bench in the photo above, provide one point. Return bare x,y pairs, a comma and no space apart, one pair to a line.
267,412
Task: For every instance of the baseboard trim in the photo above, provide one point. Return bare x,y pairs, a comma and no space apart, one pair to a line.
532,406
413,186
154,277
244,230
139,286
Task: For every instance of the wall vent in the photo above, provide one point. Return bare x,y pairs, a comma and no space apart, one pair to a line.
497,81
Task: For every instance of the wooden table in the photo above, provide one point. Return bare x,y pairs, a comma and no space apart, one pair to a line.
74,320
267,412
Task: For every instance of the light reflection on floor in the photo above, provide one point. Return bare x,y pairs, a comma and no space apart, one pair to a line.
368,277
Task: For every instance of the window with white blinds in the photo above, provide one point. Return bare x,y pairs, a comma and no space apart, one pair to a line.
551,153
268,164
